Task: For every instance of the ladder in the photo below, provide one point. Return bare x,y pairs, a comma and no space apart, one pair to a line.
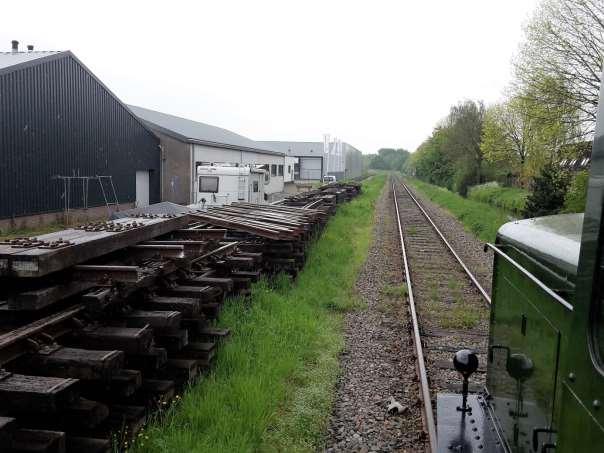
112,188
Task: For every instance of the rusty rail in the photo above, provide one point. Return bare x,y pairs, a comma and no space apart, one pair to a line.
427,415
475,282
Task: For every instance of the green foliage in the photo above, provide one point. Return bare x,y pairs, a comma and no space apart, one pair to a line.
397,291
29,232
511,199
481,219
560,61
547,192
522,135
272,386
389,159
577,193
451,156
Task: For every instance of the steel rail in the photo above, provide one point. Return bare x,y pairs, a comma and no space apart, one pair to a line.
428,417
478,286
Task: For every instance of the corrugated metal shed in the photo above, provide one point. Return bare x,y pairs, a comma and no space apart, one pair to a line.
295,148
59,119
201,133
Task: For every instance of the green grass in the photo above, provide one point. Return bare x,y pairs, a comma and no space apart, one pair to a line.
481,219
397,291
511,199
272,386
458,315
29,232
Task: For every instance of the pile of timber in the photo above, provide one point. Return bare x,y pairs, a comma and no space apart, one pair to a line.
325,197
106,322
280,234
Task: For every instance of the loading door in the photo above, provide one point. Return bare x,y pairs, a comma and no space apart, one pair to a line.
142,188
311,168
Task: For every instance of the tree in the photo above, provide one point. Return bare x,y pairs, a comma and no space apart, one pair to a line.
464,134
389,159
523,135
505,134
430,161
548,192
560,64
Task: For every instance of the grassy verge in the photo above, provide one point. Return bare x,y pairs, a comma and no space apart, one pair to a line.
479,218
28,232
272,385
511,199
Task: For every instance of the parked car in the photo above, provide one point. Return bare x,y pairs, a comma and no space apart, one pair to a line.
327,179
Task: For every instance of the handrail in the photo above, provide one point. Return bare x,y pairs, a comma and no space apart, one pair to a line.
531,277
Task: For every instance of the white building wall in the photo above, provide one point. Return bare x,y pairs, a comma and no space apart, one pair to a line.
288,173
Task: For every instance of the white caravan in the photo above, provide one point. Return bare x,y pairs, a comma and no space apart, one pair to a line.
222,185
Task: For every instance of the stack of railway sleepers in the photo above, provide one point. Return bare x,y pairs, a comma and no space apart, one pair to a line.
103,323
279,234
325,197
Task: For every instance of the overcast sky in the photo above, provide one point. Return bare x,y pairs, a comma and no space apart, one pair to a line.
373,73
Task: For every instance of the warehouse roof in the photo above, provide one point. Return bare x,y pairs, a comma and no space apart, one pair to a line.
296,148
196,132
14,61
8,59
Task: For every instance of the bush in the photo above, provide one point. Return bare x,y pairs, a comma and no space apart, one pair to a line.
463,178
577,193
547,192
511,199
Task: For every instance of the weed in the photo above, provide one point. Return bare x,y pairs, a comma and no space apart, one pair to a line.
397,291
30,232
458,315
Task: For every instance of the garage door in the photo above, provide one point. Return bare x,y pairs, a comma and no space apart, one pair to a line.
310,168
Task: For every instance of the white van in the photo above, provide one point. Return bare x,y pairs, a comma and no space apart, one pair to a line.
223,185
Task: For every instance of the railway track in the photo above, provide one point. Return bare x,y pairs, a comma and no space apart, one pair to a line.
448,307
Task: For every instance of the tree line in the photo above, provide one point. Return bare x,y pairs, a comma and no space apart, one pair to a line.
387,159
547,116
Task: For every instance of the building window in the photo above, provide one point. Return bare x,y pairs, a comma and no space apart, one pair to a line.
274,170
255,186
208,184
280,170
289,169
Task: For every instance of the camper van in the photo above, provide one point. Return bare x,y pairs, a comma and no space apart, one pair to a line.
223,185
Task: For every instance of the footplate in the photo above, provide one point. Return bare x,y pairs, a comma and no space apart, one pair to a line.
471,431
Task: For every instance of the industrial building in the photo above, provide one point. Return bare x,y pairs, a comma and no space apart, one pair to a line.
317,159
61,130
187,145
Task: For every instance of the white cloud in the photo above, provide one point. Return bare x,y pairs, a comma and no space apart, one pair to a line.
377,73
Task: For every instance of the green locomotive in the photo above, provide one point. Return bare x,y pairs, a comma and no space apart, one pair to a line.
545,361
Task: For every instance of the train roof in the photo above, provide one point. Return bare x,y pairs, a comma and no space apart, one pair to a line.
552,240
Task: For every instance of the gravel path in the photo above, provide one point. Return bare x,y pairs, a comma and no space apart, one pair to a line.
378,361
469,248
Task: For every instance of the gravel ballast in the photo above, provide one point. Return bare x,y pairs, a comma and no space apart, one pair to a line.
378,362
469,248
